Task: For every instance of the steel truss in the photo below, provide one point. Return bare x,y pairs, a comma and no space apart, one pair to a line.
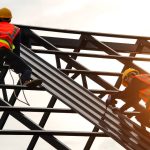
60,81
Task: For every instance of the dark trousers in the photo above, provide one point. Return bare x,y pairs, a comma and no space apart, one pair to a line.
16,63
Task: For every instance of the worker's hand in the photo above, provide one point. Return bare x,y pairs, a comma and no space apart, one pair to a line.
110,101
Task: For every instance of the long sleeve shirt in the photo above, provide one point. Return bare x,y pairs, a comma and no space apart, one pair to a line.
16,42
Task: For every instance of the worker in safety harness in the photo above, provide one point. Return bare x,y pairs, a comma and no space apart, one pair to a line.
10,49
137,89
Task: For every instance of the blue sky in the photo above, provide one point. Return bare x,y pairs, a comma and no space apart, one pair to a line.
108,16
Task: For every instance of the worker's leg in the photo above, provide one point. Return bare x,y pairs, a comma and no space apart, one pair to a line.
17,64
1,57
20,66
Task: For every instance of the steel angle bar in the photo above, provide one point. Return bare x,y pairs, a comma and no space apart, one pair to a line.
84,81
78,98
110,51
118,57
12,101
103,91
42,122
84,32
35,109
31,125
82,42
50,71
51,132
91,72
125,132
130,125
75,64
55,81
144,142
73,43
70,65
124,129
131,113
21,87
61,82
91,139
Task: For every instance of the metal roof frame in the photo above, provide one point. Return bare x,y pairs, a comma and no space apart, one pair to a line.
80,99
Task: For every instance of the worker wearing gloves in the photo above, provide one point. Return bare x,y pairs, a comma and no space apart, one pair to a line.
137,88
10,48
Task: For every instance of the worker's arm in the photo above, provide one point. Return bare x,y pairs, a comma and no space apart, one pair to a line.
124,95
129,95
111,100
17,44
145,96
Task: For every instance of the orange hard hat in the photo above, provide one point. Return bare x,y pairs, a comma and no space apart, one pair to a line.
5,13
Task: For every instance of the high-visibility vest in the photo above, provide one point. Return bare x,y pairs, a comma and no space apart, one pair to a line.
144,93
8,32
145,78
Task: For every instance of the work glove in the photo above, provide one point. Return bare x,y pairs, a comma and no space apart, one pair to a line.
110,101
